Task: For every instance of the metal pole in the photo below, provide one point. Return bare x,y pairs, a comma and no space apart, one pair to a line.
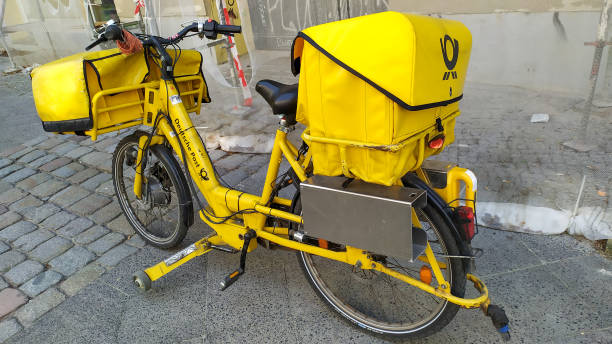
2,7
151,19
90,19
599,46
228,50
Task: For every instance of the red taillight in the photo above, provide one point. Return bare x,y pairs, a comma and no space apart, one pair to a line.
437,142
466,220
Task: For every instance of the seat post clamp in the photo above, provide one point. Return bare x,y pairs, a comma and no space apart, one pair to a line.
285,126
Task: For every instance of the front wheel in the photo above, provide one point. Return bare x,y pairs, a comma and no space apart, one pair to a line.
162,214
381,304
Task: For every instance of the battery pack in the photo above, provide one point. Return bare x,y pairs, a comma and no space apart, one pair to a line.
368,216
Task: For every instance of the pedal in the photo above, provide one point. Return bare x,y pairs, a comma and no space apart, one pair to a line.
233,277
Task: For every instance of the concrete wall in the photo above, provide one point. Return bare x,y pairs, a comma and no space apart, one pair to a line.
532,50
533,44
492,6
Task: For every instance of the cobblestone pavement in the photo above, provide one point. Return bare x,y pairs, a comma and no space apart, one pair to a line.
67,256
67,253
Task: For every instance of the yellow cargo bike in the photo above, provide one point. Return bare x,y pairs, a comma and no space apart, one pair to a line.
382,235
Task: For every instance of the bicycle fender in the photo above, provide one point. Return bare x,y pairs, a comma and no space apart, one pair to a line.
436,201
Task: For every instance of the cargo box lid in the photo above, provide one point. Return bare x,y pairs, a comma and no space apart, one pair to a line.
417,61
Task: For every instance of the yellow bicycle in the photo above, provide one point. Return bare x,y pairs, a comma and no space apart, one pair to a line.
392,259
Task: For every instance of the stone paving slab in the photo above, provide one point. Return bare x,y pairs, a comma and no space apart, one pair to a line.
48,188
116,255
95,181
4,247
81,279
72,260
32,181
75,227
68,170
8,328
11,196
107,213
90,235
8,170
89,205
38,306
99,160
55,164
78,152
5,162
83,175
29,241
19,175
136,241
8,219
17,230
105,243
50,249
21,152
9,259
50,143
41,282
9,151
57,220
64,148
107,188
121,225
42,160
4,186
22,272
10,300
25,203
231,162
69,196
41,213
33,155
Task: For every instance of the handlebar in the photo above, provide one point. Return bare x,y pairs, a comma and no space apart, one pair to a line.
96,42
209,29
229,29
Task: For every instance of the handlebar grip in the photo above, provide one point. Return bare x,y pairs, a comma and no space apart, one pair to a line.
96,42
225,29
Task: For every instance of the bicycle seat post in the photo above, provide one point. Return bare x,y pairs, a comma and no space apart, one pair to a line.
285,124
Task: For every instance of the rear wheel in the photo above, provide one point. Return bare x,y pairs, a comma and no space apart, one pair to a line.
161,215
379,303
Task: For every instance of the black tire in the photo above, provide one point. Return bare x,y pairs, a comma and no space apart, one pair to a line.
165,189
446,312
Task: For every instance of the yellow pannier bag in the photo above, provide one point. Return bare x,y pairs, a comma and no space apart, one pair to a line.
64,89
379,93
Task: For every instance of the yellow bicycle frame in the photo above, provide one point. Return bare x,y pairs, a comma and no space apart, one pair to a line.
223,202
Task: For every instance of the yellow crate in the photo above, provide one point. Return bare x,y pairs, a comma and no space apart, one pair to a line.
93,93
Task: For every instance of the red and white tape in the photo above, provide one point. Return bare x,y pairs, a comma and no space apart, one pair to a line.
246,92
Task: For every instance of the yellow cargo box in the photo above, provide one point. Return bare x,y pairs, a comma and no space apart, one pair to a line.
96,92
379,93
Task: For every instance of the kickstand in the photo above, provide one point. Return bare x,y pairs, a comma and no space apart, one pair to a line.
233,277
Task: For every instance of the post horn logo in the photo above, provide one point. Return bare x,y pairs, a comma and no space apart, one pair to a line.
452,62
